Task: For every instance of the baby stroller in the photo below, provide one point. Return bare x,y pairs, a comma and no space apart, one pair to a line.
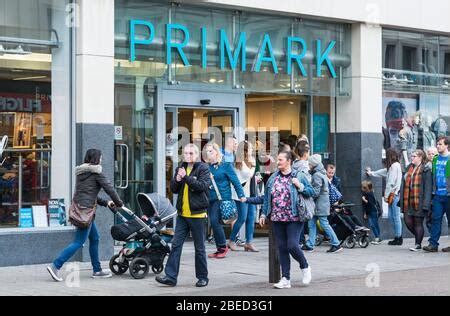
145,245
344,231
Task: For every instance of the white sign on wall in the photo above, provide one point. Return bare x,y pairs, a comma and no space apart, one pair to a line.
118,133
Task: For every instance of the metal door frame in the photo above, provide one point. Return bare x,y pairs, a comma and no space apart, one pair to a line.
189,96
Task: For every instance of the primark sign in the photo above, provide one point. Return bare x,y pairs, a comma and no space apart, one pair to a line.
296,49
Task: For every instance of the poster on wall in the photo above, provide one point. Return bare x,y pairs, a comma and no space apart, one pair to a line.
40,218
320,132
56,212
42,125
22,130
25,218
7,124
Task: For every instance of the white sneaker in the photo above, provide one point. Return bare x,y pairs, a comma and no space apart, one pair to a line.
283,284
54,273
306,276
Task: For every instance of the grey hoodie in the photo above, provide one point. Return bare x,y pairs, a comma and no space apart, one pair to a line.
303,167
322,191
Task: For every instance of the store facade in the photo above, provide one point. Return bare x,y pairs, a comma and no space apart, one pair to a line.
138,79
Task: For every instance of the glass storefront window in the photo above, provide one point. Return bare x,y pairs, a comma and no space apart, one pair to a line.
150,60
415,90
256,27
415,62
288,114
200,60
35,73
212,21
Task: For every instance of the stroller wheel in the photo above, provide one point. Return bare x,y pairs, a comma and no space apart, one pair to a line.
139,268
363,242
350,242
157,269
116,266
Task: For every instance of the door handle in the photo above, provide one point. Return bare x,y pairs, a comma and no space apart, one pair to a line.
124,152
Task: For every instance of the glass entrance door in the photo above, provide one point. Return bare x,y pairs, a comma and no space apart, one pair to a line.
193,125
155,120
133,162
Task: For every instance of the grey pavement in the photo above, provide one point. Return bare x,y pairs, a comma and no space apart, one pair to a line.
376,270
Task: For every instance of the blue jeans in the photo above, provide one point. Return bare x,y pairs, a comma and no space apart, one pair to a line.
216,225
197,227
439,208
80,238
373,223
323,220
394,216
287,235
246,214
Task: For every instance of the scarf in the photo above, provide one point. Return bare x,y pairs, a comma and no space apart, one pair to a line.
411,194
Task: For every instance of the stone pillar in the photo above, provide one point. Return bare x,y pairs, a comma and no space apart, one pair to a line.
359,140
95,99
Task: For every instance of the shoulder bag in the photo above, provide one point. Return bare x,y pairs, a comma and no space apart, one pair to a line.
228,208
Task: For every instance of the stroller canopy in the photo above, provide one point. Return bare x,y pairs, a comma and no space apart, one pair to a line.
153,204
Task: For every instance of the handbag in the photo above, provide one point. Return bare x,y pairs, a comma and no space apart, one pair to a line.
81,216
390,198
228,208
305,208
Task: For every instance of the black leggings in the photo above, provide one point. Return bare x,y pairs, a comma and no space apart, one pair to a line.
415,226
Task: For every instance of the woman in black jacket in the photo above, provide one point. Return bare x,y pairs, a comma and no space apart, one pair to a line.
191,182
90,180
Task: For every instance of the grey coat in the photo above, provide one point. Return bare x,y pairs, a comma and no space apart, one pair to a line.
321,190
424,192
90,180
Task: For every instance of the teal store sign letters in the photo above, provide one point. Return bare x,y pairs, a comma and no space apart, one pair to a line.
265,52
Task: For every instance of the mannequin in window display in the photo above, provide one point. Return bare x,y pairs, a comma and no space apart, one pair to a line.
402,144
397,132
410,133
427,137
440,127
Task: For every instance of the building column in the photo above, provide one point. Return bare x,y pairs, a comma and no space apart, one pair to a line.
359,140
95,100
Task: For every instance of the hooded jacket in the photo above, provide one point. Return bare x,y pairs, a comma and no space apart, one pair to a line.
90,180
321,190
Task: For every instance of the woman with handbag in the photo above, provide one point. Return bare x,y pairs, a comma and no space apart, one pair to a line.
90,180
393,174
222,176
280,203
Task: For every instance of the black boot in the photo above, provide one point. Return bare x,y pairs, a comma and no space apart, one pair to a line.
393,242
400,241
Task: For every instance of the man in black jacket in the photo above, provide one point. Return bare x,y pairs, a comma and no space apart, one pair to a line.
191,182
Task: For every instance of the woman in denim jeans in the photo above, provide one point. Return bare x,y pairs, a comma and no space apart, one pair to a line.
393,174
223,175
245,166
90,180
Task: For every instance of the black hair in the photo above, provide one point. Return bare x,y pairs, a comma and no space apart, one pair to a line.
443,138
93,156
